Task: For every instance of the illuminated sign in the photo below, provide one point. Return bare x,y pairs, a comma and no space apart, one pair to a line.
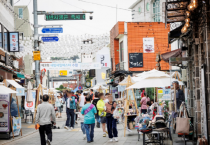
65,17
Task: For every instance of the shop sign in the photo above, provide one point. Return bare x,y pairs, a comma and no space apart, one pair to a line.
8,60
4,113
36,55
16,64
16,126
69,66
63,72
135,60
14,42
104,60
148,45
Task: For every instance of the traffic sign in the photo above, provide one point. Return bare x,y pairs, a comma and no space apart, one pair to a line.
52,30
65,17
50,39
80,87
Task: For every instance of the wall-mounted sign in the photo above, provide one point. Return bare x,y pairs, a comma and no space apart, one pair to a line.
148,45
50,39
14,42
104,60
36,55
52,30
65,17
63,72
135,60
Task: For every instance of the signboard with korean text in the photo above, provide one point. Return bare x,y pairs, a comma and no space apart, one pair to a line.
36,55
50,39
4,113
52,30
14,42
65,17
148,45
135,60
69,66
63,73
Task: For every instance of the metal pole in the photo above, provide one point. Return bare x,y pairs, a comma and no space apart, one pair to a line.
36,38
48,78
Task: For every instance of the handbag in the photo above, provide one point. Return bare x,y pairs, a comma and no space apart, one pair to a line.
109,114
182,124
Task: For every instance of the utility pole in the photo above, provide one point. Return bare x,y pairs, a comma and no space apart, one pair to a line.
36,39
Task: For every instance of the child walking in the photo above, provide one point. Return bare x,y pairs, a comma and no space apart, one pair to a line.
81,118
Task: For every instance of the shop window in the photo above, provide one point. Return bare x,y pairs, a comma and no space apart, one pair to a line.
121,52
1,38
147,6
6,39
20,13
156,10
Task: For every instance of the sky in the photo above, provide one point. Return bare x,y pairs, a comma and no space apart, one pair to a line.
104,17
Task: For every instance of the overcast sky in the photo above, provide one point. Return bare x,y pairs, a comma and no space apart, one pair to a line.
104,18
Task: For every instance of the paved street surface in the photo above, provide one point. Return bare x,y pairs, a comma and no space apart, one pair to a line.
75,136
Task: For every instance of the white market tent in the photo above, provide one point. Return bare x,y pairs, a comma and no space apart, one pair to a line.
13,83
5,90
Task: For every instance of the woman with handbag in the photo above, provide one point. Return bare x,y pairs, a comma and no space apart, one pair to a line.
110,120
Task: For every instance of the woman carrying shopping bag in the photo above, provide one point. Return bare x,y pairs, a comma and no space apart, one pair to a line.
111,122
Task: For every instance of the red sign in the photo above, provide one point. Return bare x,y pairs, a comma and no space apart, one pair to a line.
29,104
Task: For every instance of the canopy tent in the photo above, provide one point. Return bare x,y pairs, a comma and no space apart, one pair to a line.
13,83
5,90
96,87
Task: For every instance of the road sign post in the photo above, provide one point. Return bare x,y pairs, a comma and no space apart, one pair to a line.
64,17
52,30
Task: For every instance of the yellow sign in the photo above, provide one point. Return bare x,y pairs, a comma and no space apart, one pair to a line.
160,91
91,83
63,73
103,75
36,55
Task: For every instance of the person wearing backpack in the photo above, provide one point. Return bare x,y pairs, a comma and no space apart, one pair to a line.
111,122
89,110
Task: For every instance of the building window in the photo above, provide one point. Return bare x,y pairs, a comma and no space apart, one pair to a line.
139,9
1,38
156,10
11,2
147,6
121,52
20,13
6,39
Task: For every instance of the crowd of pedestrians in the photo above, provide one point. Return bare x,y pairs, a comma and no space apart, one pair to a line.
91,109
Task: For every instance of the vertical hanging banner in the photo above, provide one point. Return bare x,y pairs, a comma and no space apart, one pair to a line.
148,45
4,113
14,42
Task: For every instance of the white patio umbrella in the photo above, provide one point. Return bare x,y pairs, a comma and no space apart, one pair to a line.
29,97
152,82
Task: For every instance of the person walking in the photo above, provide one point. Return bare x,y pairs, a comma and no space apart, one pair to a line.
89,110
94,102
59,105
70,110
45,114
179,95
143,103
111,122
101,108
81,117
92,94
81,99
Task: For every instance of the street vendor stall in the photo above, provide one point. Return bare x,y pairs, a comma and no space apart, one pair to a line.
6,119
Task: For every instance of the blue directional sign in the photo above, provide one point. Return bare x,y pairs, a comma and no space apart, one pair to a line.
50,39
52,30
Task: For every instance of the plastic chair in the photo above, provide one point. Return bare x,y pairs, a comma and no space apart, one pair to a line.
28,114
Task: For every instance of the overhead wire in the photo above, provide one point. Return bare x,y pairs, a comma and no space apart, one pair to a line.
24,8
105,5
71,5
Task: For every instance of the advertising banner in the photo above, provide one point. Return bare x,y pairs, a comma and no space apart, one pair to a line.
16,126
4,112
104,59
69,66
135,60
14,42
148,45
31,105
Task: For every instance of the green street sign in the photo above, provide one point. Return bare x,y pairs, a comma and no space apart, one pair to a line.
65,17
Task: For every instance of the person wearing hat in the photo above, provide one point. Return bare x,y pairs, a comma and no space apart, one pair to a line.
70,110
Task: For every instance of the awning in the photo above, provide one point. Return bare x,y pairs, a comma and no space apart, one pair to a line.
20,75
5,90
19,88
174,53
121,72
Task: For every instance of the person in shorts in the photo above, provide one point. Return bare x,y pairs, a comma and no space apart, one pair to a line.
101,112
